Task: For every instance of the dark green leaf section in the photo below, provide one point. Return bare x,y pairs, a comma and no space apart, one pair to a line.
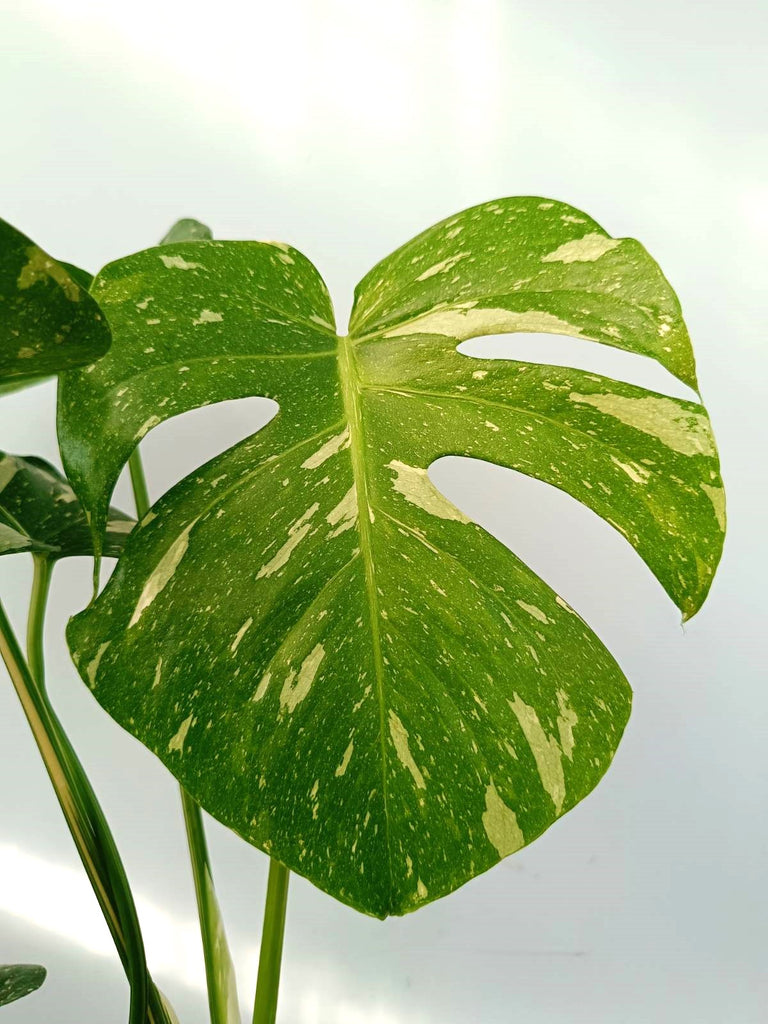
15,383
19,980
7,387
40,513
48,321
328,654
83,278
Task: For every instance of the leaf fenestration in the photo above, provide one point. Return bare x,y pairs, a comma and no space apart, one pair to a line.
331,657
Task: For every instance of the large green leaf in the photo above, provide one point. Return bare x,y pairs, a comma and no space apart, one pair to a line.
48,321
39,512
328,654
19,980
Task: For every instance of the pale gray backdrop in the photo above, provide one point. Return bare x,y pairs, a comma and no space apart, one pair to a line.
344,128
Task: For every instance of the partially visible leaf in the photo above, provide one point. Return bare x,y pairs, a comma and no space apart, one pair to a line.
83,278
187,230
45,304
19,980
48,321
7,387
335,661
168,1010
40,513
90,832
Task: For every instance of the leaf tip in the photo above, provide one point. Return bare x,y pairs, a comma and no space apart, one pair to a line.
187,230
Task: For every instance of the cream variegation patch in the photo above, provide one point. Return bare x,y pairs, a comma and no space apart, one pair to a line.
39,267
162,574
296,534
178,741
416,487
399,735
717,496
582,250
682,430
295,688
546,750
179,263
331,447
464,320
500,824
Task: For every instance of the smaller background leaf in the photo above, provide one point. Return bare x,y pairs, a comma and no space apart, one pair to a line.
48,321
19,980
40,513
188,230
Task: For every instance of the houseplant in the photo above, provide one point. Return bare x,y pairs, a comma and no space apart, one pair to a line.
329,656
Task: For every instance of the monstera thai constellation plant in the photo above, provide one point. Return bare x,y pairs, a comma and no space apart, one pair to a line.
332,659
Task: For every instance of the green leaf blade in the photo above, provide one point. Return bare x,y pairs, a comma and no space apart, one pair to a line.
644,462
48,321
40,513
82,277
286,683
394,700
210,354
187,230
19,980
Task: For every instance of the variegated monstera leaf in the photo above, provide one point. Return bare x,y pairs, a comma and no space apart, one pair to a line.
48,321
328,654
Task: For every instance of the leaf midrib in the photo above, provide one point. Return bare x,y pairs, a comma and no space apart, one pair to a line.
351,394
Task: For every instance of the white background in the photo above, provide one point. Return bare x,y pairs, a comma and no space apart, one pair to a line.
344,128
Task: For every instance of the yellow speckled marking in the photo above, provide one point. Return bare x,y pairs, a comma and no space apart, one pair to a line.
293,693
399,735
582,250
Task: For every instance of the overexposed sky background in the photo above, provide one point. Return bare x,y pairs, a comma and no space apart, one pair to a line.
345,128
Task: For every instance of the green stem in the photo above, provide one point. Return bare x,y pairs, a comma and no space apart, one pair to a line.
80,807
139,484
270,957
41,583
219,970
